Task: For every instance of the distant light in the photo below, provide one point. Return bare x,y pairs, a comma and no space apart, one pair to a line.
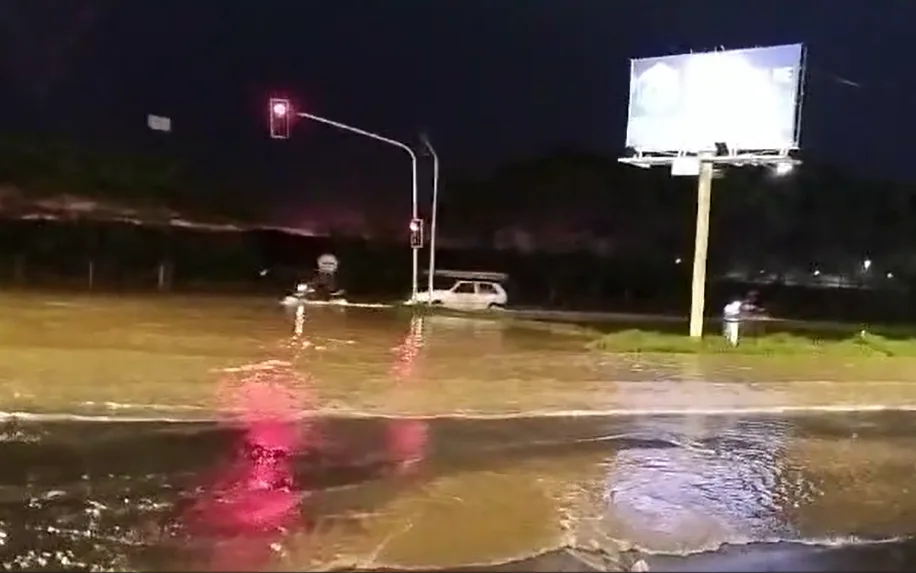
866,264
279,109
414,226
890,275
782,169
817,272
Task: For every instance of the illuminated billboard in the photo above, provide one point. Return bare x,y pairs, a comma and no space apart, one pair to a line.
747,99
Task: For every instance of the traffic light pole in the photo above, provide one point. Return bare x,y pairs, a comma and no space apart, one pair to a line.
413,166
432,218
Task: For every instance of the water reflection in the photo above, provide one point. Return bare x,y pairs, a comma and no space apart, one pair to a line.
299,323
253,499
407,438
253,502
731,482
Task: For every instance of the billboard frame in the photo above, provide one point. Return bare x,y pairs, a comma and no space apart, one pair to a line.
706,162
797,111
732,159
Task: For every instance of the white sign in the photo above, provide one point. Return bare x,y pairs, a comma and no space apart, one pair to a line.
159,123
327,263
747,99
687,166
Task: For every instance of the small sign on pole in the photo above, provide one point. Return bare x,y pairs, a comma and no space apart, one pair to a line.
159,123
685,166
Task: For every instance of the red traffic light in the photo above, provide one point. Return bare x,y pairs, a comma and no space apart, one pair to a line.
279,118
416,233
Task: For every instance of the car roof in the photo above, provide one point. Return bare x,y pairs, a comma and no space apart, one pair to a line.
471,275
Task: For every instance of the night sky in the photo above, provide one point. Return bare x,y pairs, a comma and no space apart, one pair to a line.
489,80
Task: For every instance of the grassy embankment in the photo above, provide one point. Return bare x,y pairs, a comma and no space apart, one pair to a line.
858,344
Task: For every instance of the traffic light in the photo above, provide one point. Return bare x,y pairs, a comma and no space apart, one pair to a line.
416,233
280,112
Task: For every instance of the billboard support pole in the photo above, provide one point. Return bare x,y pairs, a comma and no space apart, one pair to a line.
698,284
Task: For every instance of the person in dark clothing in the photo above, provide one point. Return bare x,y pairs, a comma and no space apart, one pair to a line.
324,285
751,304
320,286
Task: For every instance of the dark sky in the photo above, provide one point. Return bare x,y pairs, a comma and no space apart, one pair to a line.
488,79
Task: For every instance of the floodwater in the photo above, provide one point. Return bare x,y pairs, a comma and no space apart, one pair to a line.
437,443
139,355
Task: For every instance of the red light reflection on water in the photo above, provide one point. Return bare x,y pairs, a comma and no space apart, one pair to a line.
253,501
267,401
407,438
406,353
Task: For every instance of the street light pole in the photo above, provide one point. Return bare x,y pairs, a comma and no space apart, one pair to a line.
413,166
432,220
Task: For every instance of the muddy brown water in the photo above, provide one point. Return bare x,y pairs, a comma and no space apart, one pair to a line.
524,447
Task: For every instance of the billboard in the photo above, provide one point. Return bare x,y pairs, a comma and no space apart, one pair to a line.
747,99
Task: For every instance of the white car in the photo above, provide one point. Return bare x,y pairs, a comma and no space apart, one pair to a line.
467,295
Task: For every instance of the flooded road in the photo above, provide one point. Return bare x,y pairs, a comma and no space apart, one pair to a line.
439,443
137,355
108,495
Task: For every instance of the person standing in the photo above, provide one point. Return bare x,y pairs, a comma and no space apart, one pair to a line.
731,321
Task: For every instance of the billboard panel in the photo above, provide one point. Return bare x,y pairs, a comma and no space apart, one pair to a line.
748,99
